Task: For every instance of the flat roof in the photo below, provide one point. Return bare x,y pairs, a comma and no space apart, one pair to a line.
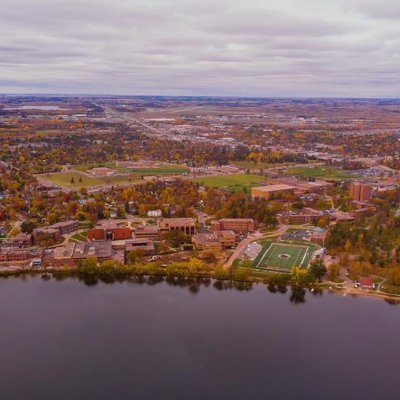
274,188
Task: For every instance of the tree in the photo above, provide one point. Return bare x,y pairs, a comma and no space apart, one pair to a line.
348,246
393,276
27,227
299,276
88,265
317,269
221,273
135,256
333,270
72,181
242,275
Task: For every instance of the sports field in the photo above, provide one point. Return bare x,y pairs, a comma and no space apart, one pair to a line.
320,172
75,180
166,169
233,183
280,256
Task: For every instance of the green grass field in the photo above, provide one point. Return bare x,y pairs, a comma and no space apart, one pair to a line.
281,256
64,179
320,172
168,169
233,183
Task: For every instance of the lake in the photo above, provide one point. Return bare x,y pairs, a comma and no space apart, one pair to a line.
62,339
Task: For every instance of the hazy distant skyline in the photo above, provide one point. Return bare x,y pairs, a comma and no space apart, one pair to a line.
265,48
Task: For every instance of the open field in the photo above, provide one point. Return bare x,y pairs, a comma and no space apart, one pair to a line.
64,179
83,181
86,167
168,169
320,172
233,183
282,256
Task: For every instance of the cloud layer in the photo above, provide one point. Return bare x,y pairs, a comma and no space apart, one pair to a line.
220,47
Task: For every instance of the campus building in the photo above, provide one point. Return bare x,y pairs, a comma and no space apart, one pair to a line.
109,230
146,231
270,191
238,225
55,231
360,191
185,225
146,246
214,241
206,242
72,253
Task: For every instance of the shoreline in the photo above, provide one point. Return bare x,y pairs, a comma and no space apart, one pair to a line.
74,272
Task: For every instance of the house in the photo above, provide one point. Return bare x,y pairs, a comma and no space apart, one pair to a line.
367,284
154,213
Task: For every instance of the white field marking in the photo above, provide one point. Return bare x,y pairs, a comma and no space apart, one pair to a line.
265,253
304,257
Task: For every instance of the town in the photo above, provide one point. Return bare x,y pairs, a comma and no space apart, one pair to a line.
304,192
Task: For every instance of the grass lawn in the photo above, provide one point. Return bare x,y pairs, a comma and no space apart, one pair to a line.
233,183
115,180
282,256
320,172
167,170
86,167
64,179
78,237
164,170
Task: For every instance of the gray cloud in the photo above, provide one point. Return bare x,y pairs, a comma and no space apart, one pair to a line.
224,47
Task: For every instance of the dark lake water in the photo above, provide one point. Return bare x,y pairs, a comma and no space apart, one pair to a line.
65,340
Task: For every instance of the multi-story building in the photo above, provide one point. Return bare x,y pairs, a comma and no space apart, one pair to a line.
228,239
150,232
269,191
238,225
72,253
145,245
206,242
66,227
109,231
13,254
360,191
55,231
185,225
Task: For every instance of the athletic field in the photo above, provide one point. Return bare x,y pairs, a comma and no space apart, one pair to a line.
280,256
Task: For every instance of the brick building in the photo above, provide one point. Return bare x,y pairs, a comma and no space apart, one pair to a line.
238,225
185,225
109,231
269,191
360,191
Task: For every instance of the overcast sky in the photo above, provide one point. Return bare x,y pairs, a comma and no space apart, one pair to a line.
266,48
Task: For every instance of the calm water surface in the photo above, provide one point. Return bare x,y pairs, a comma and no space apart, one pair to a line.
65,340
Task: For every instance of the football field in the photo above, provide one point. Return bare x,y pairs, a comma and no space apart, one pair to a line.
277,256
